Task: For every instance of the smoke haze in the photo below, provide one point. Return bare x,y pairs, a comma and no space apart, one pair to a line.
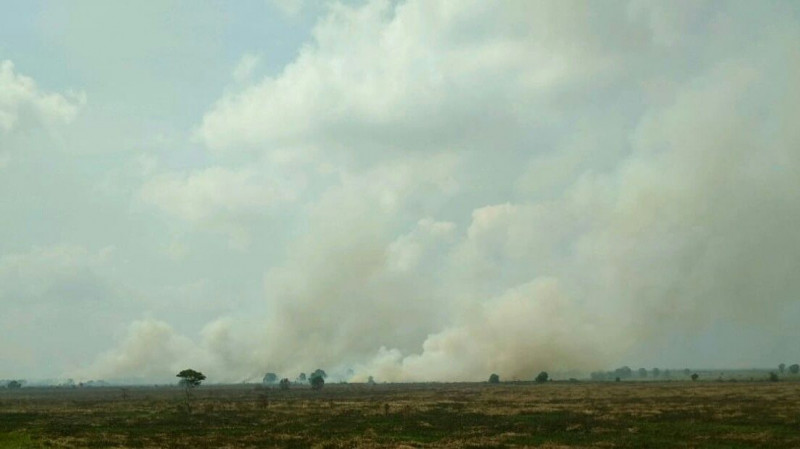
435,190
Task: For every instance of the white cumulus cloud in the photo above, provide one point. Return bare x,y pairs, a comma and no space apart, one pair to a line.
23,103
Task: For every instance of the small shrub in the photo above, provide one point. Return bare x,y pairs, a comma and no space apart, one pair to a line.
773,377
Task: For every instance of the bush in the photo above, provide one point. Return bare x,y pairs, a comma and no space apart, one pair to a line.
494,379
542,377
794,369
270,378
14,384
695,376
317,382
284,384
773,377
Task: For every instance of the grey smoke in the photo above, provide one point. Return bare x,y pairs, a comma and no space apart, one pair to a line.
538,186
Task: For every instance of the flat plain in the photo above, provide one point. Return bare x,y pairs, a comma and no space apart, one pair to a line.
519,414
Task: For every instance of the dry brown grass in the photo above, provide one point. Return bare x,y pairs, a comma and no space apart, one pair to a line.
552,415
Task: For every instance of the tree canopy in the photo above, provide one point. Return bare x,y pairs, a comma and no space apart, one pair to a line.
270,378
190,378
317,382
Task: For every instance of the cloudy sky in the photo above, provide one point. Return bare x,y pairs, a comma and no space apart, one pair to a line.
415,190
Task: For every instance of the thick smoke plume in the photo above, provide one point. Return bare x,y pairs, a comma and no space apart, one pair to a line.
532,186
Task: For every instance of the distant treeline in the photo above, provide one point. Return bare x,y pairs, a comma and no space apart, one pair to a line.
626,372
316,378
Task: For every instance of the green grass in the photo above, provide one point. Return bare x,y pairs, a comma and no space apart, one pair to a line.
16,440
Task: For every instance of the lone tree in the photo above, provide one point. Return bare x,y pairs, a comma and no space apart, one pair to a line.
190,378
270,378
695,376
494,379
782,367
542,377
794,369
317,382
642,372
319,373
284,384
14,384
301,377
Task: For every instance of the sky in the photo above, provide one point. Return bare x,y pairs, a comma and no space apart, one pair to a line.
418,190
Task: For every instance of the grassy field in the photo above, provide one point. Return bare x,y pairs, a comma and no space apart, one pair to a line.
556,414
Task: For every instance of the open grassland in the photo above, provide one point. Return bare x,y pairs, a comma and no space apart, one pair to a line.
556,414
